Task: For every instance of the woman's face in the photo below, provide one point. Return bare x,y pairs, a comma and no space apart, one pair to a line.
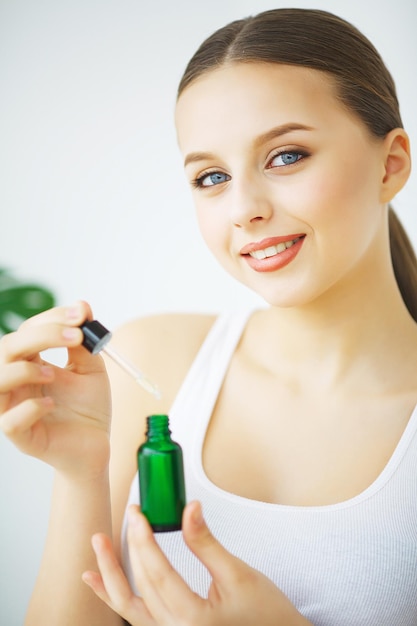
285,180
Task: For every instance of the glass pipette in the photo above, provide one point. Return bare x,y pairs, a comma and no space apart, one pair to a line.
96,338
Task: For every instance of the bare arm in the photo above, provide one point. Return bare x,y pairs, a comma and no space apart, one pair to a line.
62,417
60,596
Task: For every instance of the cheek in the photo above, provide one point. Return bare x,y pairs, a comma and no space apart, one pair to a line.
339,198
211,229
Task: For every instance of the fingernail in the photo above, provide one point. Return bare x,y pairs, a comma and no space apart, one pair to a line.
47,371
73,312
133,517
70,333
86,578
95,542
198,516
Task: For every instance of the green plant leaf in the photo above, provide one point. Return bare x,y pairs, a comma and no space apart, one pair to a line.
18,301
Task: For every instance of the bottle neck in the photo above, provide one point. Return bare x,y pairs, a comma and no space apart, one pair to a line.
158,427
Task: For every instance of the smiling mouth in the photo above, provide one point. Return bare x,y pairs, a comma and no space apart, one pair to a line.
273,250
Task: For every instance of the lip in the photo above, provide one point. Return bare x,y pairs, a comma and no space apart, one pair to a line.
276,262
269,241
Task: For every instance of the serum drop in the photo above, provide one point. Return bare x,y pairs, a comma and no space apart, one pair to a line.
161,476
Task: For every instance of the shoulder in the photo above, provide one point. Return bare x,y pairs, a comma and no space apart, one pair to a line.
164,346
164,336
175,327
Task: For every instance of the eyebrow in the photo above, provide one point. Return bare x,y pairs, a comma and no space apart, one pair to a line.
277,131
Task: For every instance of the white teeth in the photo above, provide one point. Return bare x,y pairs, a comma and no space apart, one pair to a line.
272,250
258,254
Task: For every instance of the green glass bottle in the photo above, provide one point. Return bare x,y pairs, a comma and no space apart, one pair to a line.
161,476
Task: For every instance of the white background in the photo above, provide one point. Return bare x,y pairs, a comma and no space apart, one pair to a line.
93,199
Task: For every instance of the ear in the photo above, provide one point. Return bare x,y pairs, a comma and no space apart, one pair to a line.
396,165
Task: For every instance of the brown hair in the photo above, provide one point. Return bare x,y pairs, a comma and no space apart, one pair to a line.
322,41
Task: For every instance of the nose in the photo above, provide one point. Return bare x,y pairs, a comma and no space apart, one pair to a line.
249,202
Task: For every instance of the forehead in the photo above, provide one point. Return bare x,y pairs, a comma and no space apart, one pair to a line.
252,96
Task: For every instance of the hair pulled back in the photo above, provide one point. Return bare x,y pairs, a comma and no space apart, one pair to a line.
320,40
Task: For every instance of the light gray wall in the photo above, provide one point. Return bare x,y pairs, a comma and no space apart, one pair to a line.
93,199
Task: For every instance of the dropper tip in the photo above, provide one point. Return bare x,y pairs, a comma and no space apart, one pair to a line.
150,387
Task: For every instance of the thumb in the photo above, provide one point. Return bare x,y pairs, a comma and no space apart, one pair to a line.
219,562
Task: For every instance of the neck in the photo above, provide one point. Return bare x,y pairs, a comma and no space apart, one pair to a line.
357,328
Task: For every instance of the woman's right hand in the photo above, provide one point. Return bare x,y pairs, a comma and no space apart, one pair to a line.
59,415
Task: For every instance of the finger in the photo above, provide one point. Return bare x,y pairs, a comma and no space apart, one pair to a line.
30,340
56,328
70,318
17,422
111,585
44,331
219,562
73,315
24,373
95,582
166,595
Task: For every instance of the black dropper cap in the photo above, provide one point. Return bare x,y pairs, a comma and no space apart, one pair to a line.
96,336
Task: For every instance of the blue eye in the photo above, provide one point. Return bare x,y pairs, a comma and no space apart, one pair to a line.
286,158
211,179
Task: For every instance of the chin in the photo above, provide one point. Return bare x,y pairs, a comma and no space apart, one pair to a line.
294,290
283,298
290,295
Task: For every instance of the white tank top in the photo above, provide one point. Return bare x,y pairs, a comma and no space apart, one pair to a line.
348,564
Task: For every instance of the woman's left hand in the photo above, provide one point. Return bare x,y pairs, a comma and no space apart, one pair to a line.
238,593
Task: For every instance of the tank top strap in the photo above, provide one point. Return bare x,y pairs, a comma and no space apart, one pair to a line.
200,388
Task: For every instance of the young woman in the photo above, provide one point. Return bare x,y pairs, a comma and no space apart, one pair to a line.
298,421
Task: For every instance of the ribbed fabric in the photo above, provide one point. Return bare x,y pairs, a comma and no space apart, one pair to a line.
348,564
